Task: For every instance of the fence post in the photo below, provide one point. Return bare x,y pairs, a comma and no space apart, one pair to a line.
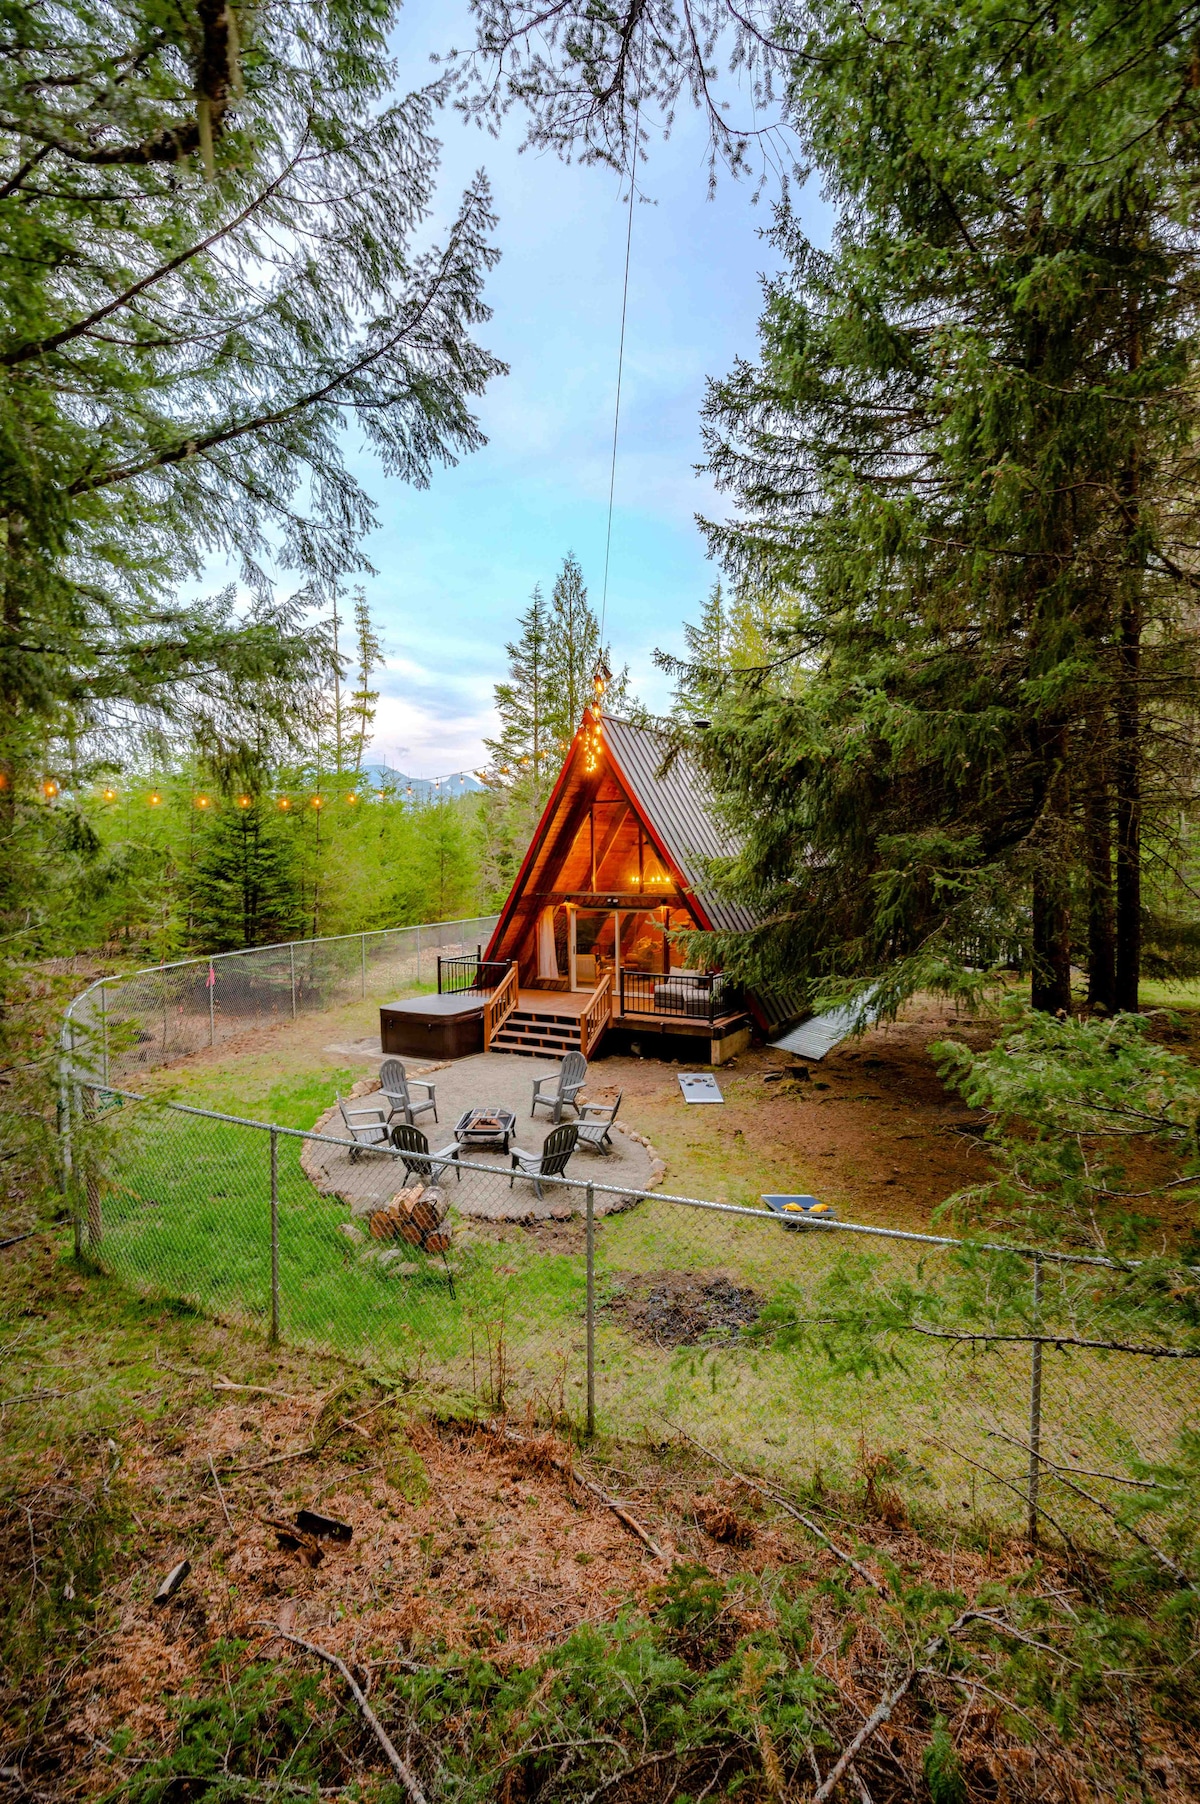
104,1030
274,1236
292,956
66,1166
1035,1402
591,1311
212,1004
364,967
418,955
91,1184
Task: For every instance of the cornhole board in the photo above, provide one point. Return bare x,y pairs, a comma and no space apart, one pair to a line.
806,1208
699,1086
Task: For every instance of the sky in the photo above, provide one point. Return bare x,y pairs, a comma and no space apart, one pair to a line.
456,562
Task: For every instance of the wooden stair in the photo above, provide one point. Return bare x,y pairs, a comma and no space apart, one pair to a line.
534,1035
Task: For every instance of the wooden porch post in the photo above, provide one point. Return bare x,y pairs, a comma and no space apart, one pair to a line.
571,926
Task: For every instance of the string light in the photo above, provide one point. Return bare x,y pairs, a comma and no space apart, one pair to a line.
49,789
352,798
285,802
110,795
202,802
243,801
154,799
316,802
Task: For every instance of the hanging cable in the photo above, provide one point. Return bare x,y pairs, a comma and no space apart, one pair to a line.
612,475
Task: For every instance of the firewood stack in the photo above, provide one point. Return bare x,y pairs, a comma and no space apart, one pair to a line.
417,1215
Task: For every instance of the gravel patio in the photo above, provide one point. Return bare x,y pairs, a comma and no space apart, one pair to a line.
493,1080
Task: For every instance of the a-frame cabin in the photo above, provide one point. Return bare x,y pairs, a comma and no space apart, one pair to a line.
615,866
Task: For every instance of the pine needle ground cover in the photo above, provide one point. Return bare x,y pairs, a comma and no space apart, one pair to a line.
515,1640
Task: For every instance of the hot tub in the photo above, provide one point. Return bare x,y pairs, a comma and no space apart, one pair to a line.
433,1027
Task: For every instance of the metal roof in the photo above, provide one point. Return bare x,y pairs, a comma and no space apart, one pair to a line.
678,807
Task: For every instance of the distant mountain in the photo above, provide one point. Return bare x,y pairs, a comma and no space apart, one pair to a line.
421,789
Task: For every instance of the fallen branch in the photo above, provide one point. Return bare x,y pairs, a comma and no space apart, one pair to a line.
875,1721
1164,1559
610,1503
1112,1478
220,1493
932,1441
763,1490
400,1767
221,1383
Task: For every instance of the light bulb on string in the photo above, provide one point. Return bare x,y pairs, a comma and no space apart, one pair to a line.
316,802
49,789
244,801
110,795
285,802
202,802
154,800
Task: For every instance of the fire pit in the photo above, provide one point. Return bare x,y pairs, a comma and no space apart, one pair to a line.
485,1127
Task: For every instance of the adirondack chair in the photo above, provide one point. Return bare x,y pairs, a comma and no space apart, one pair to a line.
397,1087
413,1147
569,1080
551,1162
595,1124
366,1123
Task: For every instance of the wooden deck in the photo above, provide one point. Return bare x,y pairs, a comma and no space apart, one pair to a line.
570,1004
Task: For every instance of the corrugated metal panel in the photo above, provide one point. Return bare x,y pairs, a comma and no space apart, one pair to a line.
814,1038
679,808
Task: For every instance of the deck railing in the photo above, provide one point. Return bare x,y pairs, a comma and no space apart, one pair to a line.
467,973
500,1005
597,1016
688,995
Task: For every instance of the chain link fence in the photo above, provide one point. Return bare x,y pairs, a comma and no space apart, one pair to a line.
122,1026
838,1355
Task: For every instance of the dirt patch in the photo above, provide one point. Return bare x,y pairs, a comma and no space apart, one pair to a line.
682,1309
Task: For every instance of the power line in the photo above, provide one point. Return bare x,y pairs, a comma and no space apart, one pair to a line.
612,475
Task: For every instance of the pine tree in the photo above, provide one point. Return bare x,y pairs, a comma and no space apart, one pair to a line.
521,753
573,652
370,657
699,676
248,889
961,452
158,406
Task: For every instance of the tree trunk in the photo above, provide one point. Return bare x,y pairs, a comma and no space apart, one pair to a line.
1051,946
1129,804
1102,951
1051,989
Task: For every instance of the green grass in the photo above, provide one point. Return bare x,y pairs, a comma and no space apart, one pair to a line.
186,1214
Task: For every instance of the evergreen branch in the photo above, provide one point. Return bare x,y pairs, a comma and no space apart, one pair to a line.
39,347
233,431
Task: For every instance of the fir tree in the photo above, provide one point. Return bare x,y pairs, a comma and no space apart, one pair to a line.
962,451
370,657
248,889
160,406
